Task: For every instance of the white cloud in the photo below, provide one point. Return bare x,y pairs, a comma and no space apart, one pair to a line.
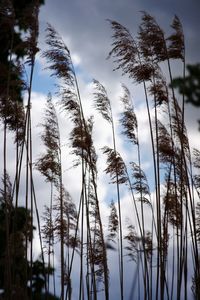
76,59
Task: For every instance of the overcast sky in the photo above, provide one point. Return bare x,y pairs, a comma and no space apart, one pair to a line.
83,23
84,28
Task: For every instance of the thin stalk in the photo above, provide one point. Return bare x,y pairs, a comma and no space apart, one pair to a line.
28,139
158,211
173,266
38,223
184,164
95,190
143,228
156,185
39,230
50,237
81,252
61,230
27,197
75,237
120,217
89,246
31,195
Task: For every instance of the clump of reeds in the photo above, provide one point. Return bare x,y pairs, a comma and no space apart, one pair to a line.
158,247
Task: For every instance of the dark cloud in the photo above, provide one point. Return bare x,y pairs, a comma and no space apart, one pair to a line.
85,21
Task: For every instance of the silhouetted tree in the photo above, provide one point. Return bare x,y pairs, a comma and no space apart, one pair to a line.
190,85
16,19
21,271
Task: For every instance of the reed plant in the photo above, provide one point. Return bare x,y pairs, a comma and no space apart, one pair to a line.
162,236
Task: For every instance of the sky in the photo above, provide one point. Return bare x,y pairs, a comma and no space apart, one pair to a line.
86,31
84,27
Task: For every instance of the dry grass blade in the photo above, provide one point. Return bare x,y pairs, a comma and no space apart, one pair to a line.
49,163
165,144
67,225
96,247
181,171
32,12
196,180
102,102
198,221
50,137
48,166
124,48
14,114
196,162
70,104
7,197
113,223
116,166
151,39
127,55
133,241
172,203
176,46
140,184
129,119
159,90
179,129
82,143
148,245
58,56
165,238
48,229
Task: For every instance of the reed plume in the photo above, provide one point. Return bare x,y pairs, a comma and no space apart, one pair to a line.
113,223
